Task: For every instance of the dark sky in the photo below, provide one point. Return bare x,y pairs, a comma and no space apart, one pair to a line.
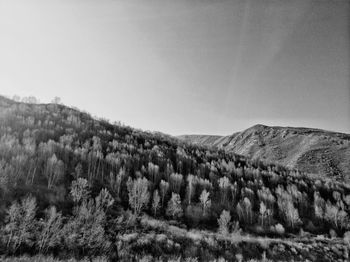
184,66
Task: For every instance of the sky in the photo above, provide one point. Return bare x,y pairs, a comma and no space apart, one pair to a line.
184,66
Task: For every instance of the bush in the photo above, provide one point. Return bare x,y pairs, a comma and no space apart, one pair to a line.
41,258
223,222
347,238
194,215
279,229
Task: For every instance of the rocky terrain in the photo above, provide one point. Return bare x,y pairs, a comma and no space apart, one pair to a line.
309,150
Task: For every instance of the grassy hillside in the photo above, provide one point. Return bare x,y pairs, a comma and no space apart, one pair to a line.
308,150
75,186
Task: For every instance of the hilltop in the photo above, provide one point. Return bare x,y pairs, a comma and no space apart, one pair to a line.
306,149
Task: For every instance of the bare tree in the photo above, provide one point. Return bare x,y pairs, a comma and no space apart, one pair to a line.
205,201
224,185
16,98
50,230
244,210
104,199
155,202
116,181
138,194
56,100
153,172
191,179
80,190
223,222
164,187
21,224
176,182
54,170
286,207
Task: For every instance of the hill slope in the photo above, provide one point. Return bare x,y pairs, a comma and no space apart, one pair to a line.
75,186
309,150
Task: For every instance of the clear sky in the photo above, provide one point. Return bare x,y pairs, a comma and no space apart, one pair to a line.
183,66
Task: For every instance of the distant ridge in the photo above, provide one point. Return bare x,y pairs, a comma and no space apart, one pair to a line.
307,149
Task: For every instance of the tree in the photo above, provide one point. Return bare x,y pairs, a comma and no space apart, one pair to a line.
205,201
104,199
244,210
20,227
204,184
50,233
224,185
234,193
153,171
79,190
176,182
295,193
174,208
191,179
16,98
286,207
54,170
319,205
164,187
155,202
336,216
56,100
85,229
116,181
138,194
265,195
78,171
223,222
30,100
263,212
168,170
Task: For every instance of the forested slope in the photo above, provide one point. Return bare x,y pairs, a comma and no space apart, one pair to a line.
72,185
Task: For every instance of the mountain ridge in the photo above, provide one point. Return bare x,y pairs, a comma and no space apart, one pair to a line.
310,150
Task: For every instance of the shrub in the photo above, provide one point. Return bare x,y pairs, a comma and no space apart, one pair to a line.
174,208
223,222
279,229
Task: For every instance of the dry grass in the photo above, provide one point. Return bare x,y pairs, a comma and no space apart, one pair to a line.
41,258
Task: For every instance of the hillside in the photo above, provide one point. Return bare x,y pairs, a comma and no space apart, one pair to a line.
75,186
309,150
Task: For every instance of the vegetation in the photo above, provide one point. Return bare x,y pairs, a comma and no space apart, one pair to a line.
75,186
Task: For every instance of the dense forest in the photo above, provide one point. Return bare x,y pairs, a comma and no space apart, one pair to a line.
74,186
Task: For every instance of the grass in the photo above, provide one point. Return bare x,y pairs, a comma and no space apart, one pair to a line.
41,258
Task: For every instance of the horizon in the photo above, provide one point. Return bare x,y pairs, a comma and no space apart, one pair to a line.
183,67
145,130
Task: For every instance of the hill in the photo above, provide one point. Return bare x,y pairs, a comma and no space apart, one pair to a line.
306,149
74,186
